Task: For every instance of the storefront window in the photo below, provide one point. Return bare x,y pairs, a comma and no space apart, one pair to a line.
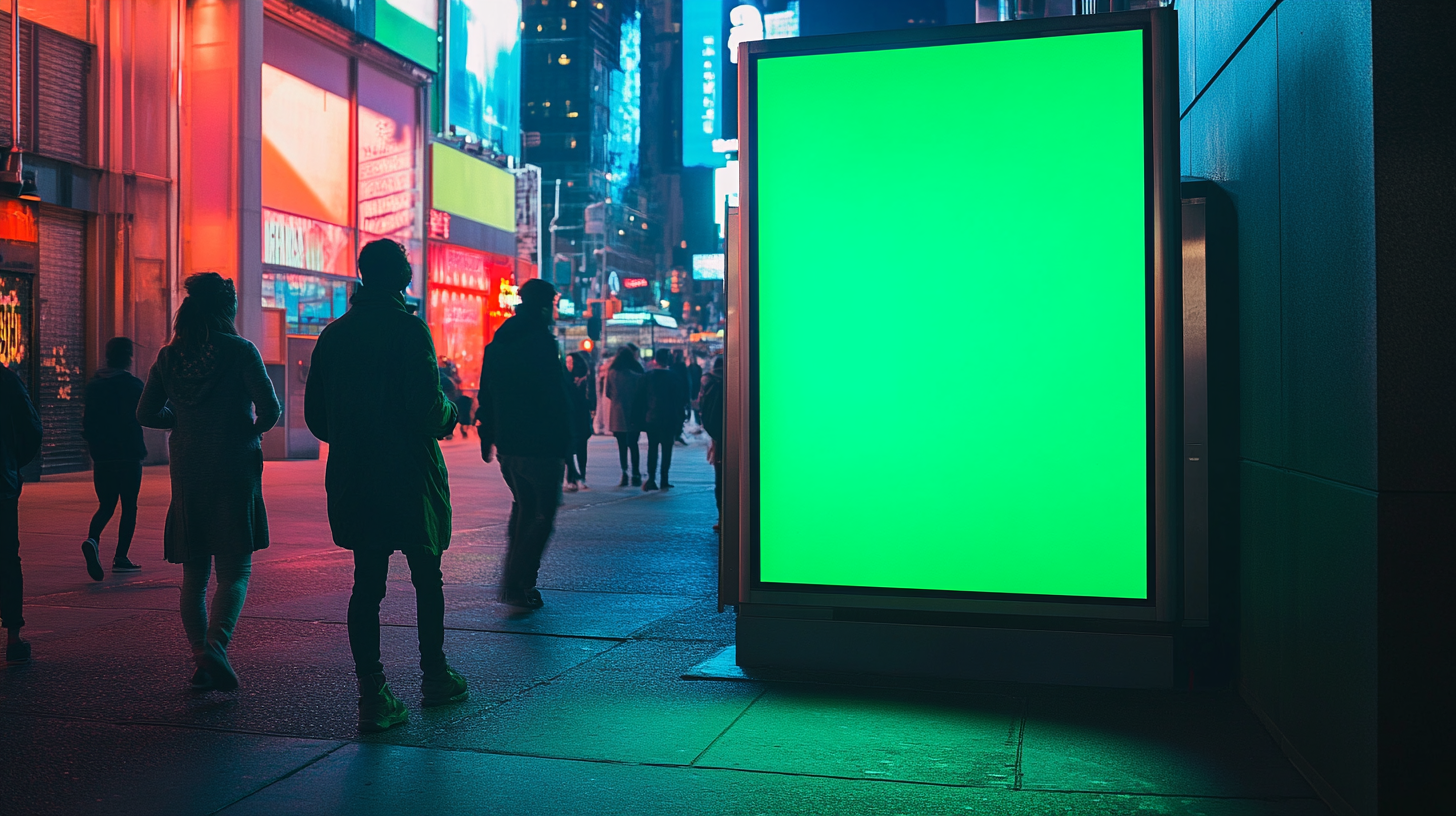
471,294
311,302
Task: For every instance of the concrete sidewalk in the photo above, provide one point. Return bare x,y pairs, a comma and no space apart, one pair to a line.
576,708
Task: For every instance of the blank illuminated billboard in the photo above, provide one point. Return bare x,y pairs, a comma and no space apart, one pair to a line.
951,311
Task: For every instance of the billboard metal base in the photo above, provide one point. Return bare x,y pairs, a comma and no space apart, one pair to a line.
1050,656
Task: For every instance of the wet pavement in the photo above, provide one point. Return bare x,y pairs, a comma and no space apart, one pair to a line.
580,707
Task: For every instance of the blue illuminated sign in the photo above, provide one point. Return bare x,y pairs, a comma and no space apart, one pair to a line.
702,81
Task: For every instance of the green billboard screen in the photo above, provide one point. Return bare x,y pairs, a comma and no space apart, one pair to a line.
952,347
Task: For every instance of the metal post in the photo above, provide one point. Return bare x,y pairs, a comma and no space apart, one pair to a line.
555,214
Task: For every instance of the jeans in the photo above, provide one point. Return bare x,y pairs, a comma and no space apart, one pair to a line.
627,444
371,573
535,483
116,480
576,462
233,572
660,441
12,585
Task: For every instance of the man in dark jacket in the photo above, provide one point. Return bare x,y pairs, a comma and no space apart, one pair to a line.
19,443
710,408
525,414
665,394
110,428
374,396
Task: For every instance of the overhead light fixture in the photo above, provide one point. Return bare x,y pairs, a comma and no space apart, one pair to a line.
28,190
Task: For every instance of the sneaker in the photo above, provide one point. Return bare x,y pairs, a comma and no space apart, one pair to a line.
624,481
93,560
665,485
379,709
636,481
215,662
530,599
124,564
571,487
17,651
446,689
583,485
649,485
202,681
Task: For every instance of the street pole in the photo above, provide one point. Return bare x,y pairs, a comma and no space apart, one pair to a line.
555,214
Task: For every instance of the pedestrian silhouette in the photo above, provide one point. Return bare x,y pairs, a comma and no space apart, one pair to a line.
374,396
710,408
665,407
114,437
209,387
624,386
525,415
19,443
581,384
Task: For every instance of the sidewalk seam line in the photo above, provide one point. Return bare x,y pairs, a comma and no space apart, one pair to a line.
260,789
727,727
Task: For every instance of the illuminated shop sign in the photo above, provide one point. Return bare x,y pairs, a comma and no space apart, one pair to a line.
439,224
565,307
303,243
708,267
15,306
634,283
510,296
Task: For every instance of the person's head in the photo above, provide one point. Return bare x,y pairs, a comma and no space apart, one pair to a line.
210,307
662,359
626,357
538,297
118,352
578,363
720,364
384,265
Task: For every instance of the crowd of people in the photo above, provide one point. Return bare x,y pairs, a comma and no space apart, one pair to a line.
381,400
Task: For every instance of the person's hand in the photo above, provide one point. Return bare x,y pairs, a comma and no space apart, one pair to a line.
712,449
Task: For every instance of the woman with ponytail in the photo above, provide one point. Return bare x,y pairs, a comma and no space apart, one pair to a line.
209,387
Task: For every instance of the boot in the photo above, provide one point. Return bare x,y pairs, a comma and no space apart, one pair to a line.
379,709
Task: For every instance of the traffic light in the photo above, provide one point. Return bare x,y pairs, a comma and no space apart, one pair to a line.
587,344
594,324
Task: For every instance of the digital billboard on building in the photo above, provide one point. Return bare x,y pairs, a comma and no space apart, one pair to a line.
483,73
409,27
712,30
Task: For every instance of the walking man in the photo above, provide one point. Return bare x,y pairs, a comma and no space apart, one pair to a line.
110,428
374,396
525,414
666,397
19,443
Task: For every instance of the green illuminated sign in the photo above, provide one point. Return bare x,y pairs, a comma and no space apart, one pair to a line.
410,27
965,405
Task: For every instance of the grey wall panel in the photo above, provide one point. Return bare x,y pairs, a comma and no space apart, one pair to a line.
1187,51
1327,221
1235,141
1263,601
1220,26
1329,657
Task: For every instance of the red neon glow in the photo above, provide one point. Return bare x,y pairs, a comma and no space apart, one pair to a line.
633,283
